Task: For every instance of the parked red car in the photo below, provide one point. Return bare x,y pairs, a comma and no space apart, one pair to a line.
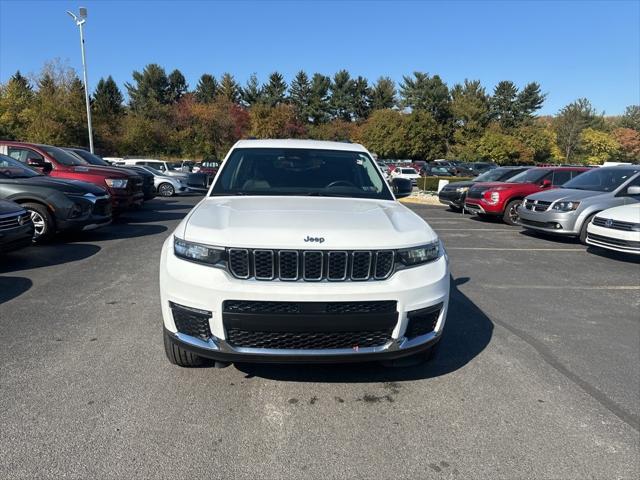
124,188
209,167
503,198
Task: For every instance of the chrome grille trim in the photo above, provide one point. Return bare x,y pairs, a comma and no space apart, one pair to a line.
346,266
273,269
353,260
280,276
306,277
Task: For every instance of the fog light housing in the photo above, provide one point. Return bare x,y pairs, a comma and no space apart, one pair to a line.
423,321
557,226
191,321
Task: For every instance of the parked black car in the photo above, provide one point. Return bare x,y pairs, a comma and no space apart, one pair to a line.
55,205
199,182
462,169
479,168
16,227
454,194
436,171
92,159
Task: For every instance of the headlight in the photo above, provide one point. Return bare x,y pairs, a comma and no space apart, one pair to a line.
418,255
566,206
462,189
116,182
491,196
197,252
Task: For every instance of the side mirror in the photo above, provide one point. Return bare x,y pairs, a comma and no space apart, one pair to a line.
401,187
546,183
633,190
36,162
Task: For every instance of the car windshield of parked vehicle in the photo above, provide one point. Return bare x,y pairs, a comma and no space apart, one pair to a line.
300,172
601,179
10,168
154,171
529,176
409,171
210,164
439,170
497,174
60,156
90,158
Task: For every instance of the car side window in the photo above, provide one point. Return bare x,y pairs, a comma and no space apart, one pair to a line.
560,177
634,183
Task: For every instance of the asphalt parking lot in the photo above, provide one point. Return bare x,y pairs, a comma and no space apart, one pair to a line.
537,377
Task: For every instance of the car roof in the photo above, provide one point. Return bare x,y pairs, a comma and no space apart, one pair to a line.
304,144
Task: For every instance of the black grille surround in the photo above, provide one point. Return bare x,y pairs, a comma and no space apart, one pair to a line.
613,242
311,265
307,340
308,325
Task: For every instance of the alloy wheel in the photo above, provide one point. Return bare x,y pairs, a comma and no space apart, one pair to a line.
39,224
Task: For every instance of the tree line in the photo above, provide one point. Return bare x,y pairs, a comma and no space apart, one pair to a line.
419,118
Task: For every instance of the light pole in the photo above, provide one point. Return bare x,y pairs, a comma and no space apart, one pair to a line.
80,19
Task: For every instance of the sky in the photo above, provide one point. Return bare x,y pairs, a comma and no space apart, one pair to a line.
572,48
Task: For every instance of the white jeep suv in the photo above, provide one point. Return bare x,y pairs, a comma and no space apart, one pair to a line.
301,253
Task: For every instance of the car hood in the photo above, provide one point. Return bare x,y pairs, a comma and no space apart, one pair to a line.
109,172
454,185
565,194
285,222
73,187
624,213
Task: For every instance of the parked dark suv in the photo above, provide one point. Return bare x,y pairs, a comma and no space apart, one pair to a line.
16,227
55,205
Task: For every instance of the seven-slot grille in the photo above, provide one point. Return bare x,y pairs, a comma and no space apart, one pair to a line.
310,265
615,224
14,220
536,205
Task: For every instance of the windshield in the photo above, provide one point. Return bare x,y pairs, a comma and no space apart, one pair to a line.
497,174
529,176
601,179
153,171
90,158
60,156
10,168
174,166
297,171
409,171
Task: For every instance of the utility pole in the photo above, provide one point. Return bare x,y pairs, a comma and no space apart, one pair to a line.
80,20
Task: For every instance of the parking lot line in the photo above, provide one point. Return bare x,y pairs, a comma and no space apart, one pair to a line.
562,287
477,230
500,249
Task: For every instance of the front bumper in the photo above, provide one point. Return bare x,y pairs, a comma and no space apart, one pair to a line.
206,288
16,238
125,200
549,221
452,198
612,239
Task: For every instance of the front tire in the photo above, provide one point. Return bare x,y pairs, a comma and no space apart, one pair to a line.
583,229
43,222
510,215
179,356
166,190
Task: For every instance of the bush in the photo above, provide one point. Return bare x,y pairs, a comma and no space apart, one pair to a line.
430,184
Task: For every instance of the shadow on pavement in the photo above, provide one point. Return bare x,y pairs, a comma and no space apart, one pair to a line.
12,287
46,255
467,333
550,237
115,231
613,255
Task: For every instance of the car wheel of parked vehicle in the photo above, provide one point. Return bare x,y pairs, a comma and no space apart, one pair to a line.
43,223
166,190
179,356
583,229
510,215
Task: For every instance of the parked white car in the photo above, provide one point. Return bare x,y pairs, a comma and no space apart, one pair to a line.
170,169
406,172
616,229
165,185
301,253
